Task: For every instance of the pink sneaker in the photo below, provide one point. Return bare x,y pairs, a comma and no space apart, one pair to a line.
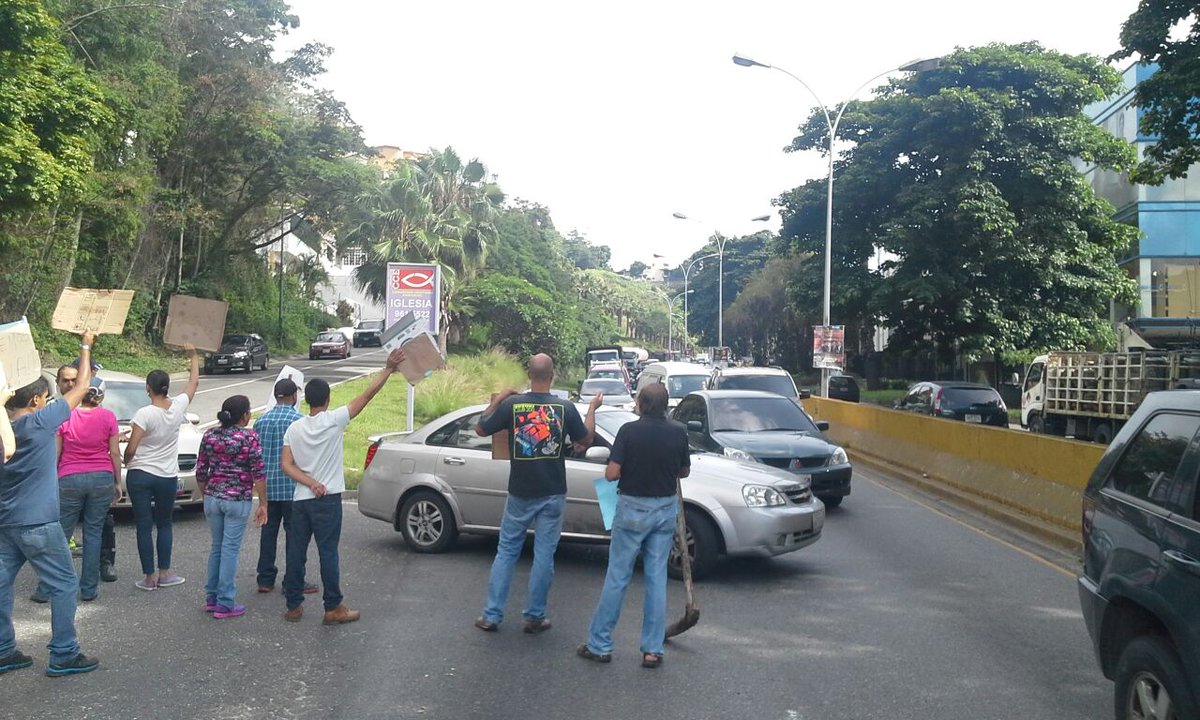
210,605
223,612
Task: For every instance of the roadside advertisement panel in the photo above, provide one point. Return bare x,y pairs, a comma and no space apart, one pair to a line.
414,288
829,347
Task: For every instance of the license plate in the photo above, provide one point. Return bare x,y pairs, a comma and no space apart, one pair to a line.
222,361
974,418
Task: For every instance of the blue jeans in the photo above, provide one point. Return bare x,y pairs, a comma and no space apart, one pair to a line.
319,519
45,548
153,499
643,525
545,516
278,512
227,521
87,497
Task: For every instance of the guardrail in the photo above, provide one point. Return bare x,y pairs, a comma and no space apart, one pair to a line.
1040,475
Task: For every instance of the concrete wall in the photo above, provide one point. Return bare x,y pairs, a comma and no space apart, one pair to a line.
1035,474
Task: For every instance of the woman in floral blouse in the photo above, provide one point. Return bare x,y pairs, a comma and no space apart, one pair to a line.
230,473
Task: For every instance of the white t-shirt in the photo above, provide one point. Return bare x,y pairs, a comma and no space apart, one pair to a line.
158,452
316,443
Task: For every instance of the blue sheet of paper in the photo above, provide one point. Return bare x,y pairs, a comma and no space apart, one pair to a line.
606,493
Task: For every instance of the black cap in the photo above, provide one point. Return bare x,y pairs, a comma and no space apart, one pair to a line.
285,388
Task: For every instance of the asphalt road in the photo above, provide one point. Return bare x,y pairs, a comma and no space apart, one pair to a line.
258,384
898,612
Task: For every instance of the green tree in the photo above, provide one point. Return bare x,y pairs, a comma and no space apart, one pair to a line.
744,256
636,268
584,255
1170,98
522,318
761,321
965,176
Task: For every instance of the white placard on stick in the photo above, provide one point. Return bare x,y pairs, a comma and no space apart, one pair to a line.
101,311
194,320
18,355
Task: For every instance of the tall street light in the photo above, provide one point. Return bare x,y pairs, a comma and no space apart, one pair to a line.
832,125
720,240
671,316
687,269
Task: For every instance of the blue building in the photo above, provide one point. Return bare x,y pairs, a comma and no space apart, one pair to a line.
1166,260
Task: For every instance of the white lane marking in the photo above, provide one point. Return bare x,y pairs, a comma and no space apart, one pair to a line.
264,377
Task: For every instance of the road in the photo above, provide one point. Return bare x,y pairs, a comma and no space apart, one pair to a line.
257,385
898,612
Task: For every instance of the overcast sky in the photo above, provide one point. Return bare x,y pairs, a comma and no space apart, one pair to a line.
617,114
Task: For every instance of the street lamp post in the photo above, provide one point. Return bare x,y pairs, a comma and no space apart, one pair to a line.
671,317
687,269
720,240
832,125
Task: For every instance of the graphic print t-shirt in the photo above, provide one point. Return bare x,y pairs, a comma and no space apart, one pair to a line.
539,424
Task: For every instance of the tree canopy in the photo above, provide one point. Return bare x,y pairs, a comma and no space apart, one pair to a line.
1166,33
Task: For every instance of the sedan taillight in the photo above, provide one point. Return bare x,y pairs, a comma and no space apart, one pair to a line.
937,402
371,454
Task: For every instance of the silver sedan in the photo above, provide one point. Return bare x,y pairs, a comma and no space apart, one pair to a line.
441,480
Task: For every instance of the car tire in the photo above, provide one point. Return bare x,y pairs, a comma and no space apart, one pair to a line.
266,361
427,523
1149,667
1103,434
1037,424
831,501
702,543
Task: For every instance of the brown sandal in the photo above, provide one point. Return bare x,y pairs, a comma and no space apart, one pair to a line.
651,660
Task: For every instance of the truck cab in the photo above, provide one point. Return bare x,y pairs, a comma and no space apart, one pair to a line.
1033,395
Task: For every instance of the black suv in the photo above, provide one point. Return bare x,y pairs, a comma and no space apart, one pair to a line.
239,351
843,387
1140,587
368,332
969,402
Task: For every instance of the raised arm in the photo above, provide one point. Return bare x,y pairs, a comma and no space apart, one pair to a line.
394,359
193,372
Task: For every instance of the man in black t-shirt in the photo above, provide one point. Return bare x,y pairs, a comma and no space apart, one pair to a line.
539,424
648,458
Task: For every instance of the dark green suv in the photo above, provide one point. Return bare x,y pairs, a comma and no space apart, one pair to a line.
1140,587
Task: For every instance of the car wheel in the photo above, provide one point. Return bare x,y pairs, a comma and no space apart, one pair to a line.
831,501
1037,424
1103,434
1150,682
427,523
702,544
266,361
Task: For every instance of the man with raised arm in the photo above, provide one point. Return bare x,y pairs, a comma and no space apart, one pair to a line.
312,456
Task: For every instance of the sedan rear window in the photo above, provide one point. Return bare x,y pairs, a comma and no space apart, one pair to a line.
965,397
370,325
680,385
233,340
758,414
608,387
330,337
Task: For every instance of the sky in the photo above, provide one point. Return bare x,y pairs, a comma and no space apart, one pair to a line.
616,115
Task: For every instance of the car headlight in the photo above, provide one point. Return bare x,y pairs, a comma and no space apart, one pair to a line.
762,496
240,354
735,454
838,457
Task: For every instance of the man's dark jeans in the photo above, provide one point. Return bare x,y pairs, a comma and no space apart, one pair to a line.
320,519
278,512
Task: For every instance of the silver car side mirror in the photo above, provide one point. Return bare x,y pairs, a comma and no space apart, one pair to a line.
598,453
193,418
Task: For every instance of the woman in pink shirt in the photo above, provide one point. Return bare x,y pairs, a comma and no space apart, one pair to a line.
89,476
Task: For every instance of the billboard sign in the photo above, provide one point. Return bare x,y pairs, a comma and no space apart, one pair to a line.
829,347
414,288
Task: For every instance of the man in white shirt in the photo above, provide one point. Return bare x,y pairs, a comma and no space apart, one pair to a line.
312,456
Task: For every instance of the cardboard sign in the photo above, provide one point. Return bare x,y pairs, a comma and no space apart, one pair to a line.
295,376
101,311
401,331
421,358
501,447
18,355
194,320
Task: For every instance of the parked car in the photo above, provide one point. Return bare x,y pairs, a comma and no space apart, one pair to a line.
441,480
843,387
616,392
1140,584
766,428
246,351
369,332
124,394
969,402
680,378
329,344
768,379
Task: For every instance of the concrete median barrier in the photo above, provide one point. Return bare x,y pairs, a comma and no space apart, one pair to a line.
1038,475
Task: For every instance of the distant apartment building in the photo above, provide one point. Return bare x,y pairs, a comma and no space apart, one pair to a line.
1166,260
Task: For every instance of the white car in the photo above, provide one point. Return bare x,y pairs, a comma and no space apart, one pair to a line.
441,480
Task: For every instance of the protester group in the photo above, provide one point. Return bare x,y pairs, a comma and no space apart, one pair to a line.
63,468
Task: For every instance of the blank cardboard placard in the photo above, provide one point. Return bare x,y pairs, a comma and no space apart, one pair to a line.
18,355
101,311
421,358
194,320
